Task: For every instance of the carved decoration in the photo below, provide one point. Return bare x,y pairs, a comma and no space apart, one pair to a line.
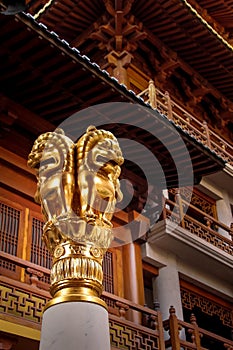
19,303
77,188
9,229
190,299
208,235
207,206
126,337
68,186
29,306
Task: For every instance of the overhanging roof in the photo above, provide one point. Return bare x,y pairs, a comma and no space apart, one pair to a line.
44,81
176,23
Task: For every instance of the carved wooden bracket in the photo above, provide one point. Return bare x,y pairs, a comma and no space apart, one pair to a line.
34,276
120,62
122,309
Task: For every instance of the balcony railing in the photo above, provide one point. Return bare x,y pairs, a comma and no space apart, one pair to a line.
206,227
163,103
196,336
22,302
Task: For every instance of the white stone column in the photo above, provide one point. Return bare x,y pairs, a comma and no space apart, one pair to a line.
166,289
75,326
224,213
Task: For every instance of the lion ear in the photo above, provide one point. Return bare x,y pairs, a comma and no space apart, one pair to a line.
59,131
91,128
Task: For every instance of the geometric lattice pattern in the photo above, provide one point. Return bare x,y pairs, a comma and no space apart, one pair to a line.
199,202
127,337
29,306
189,300
108,272
39,253
208,235
16,302
9,230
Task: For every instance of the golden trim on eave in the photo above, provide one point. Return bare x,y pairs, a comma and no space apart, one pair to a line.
186,3
43,9
208,25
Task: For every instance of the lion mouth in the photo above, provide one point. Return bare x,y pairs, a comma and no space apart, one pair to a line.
102,159
46,162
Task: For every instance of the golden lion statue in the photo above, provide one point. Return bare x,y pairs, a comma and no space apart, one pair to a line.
76,182
98,162
52,155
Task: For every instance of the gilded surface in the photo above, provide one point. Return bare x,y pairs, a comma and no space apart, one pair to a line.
52,156
78,187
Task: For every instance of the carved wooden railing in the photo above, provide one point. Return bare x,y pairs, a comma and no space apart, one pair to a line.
207,230
182,118
187,336
22,301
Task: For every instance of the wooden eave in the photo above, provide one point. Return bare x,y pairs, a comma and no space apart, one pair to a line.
180,28
173,22
44,81
220,10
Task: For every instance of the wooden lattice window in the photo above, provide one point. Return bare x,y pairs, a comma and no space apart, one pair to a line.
108,272
10,220
39,253
212,313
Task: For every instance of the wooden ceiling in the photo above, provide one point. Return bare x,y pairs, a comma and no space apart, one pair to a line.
220,11
172,22
183,45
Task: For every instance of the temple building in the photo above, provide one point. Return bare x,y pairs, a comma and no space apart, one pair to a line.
160,74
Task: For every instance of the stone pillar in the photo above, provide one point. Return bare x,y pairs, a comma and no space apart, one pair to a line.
75,326
119,62
166,289
224,213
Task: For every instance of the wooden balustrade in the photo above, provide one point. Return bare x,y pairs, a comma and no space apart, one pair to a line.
174,211
23,303
200,130
192,336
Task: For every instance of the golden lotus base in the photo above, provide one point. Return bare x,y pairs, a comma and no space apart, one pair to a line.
75,294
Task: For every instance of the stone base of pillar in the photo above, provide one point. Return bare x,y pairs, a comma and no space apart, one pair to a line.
75,326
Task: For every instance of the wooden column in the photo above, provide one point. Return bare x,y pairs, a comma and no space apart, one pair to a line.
119,62
133,277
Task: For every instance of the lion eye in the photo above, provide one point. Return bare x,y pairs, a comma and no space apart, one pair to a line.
107,144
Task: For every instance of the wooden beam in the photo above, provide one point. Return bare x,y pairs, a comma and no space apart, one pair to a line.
82,38
16,179
29,120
